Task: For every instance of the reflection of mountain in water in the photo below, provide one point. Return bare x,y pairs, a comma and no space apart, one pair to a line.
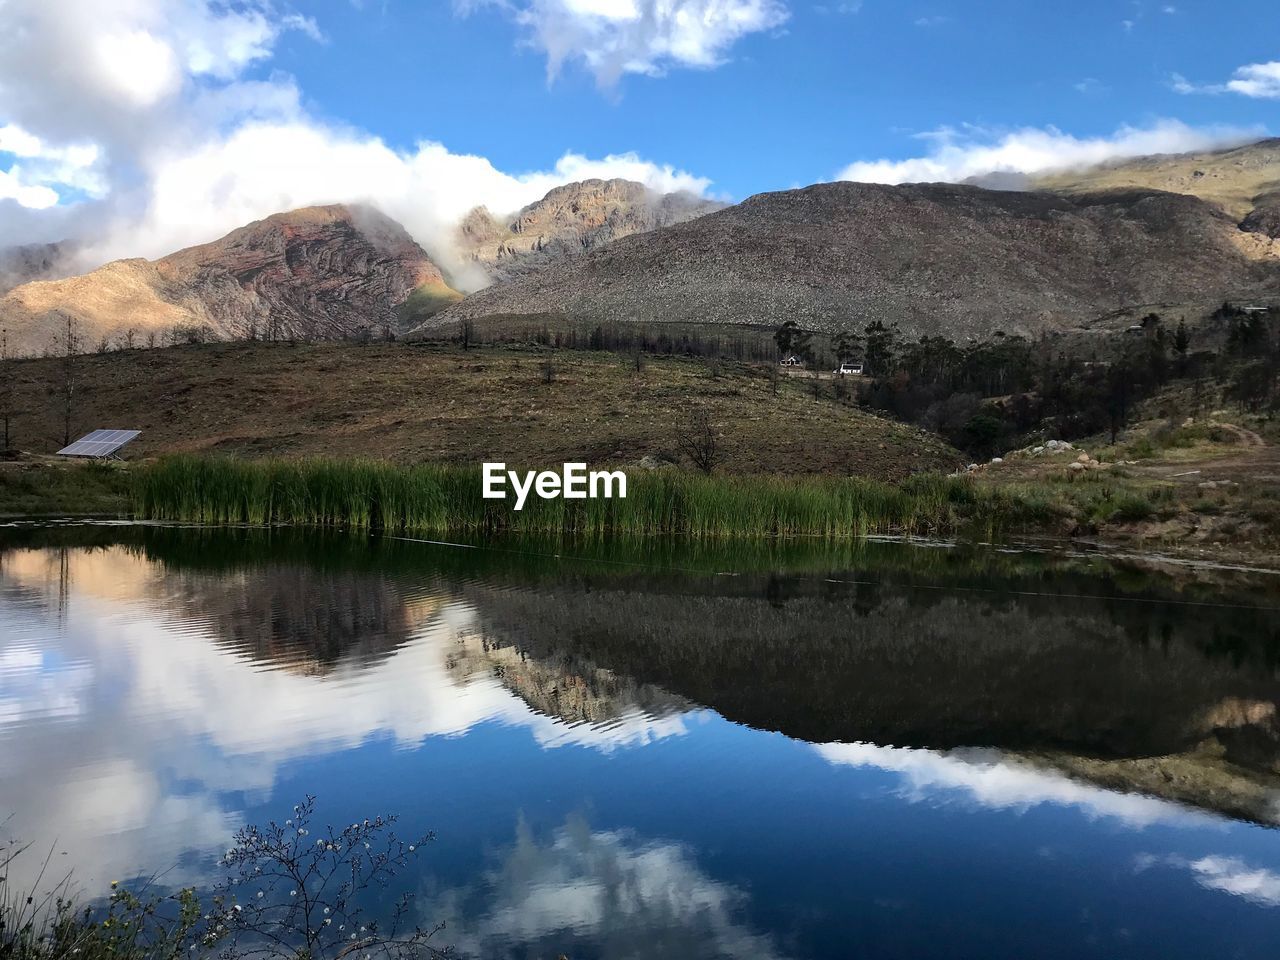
1130,695
1131,690
299,617
312,619
561,686
309,620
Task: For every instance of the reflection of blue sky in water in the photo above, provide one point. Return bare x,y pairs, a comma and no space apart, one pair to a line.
116,720
134,741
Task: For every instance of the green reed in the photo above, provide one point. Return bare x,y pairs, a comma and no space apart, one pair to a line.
368,494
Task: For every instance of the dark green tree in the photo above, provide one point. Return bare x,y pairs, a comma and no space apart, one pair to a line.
881,345
1181,344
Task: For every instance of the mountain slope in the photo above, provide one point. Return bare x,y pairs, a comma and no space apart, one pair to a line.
316,272
396,402
936,258
1235,179
569,221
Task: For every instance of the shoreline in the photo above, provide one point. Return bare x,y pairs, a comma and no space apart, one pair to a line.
931,508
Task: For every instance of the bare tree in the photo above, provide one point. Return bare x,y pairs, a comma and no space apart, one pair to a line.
467,333
67,347
292,896
7,389
698,442
548,371
287,895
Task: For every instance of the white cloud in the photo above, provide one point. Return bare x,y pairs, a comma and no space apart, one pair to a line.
97,83
1260,81
846,9
1234,876
1257,80
138,67
1091,86
1230,875
150,112
957,155
40,167
26,195
197,193
995,782
613,37
603,885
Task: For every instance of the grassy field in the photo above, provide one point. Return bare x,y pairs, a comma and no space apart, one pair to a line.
41,488
392,434
437,403
436,499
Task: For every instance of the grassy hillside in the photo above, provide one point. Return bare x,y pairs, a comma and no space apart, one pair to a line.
438,403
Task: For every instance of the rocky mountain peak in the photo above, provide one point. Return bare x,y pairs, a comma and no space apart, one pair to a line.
569,221
325,271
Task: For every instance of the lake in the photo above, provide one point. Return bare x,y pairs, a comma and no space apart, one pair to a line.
653,749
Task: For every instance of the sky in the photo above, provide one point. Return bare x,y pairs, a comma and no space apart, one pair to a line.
140,126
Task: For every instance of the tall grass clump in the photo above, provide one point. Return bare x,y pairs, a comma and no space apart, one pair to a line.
365,494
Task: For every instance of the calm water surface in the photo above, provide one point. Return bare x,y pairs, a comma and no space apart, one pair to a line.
873,751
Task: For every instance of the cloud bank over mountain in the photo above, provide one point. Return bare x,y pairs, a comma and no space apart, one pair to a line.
153,134
956,155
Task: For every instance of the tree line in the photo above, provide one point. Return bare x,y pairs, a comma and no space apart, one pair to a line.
991,395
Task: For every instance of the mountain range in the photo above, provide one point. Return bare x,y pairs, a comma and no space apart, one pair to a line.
935,258
957,260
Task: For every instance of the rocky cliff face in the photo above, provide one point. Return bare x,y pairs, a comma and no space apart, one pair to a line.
1264,218
568,222
936,258
318,272
31,261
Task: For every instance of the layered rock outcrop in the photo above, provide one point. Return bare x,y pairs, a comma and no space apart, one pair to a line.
569,221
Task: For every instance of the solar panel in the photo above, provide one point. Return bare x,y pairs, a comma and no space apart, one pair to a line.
100,443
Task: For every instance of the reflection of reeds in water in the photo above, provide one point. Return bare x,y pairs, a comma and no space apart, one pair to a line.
369,494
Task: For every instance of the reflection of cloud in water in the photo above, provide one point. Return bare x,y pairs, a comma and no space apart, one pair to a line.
995,782
1225,874
625,898
122,730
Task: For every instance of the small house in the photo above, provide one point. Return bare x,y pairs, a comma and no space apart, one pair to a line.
791,360
849,370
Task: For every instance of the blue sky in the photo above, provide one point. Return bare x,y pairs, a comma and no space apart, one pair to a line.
143,125
793,104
